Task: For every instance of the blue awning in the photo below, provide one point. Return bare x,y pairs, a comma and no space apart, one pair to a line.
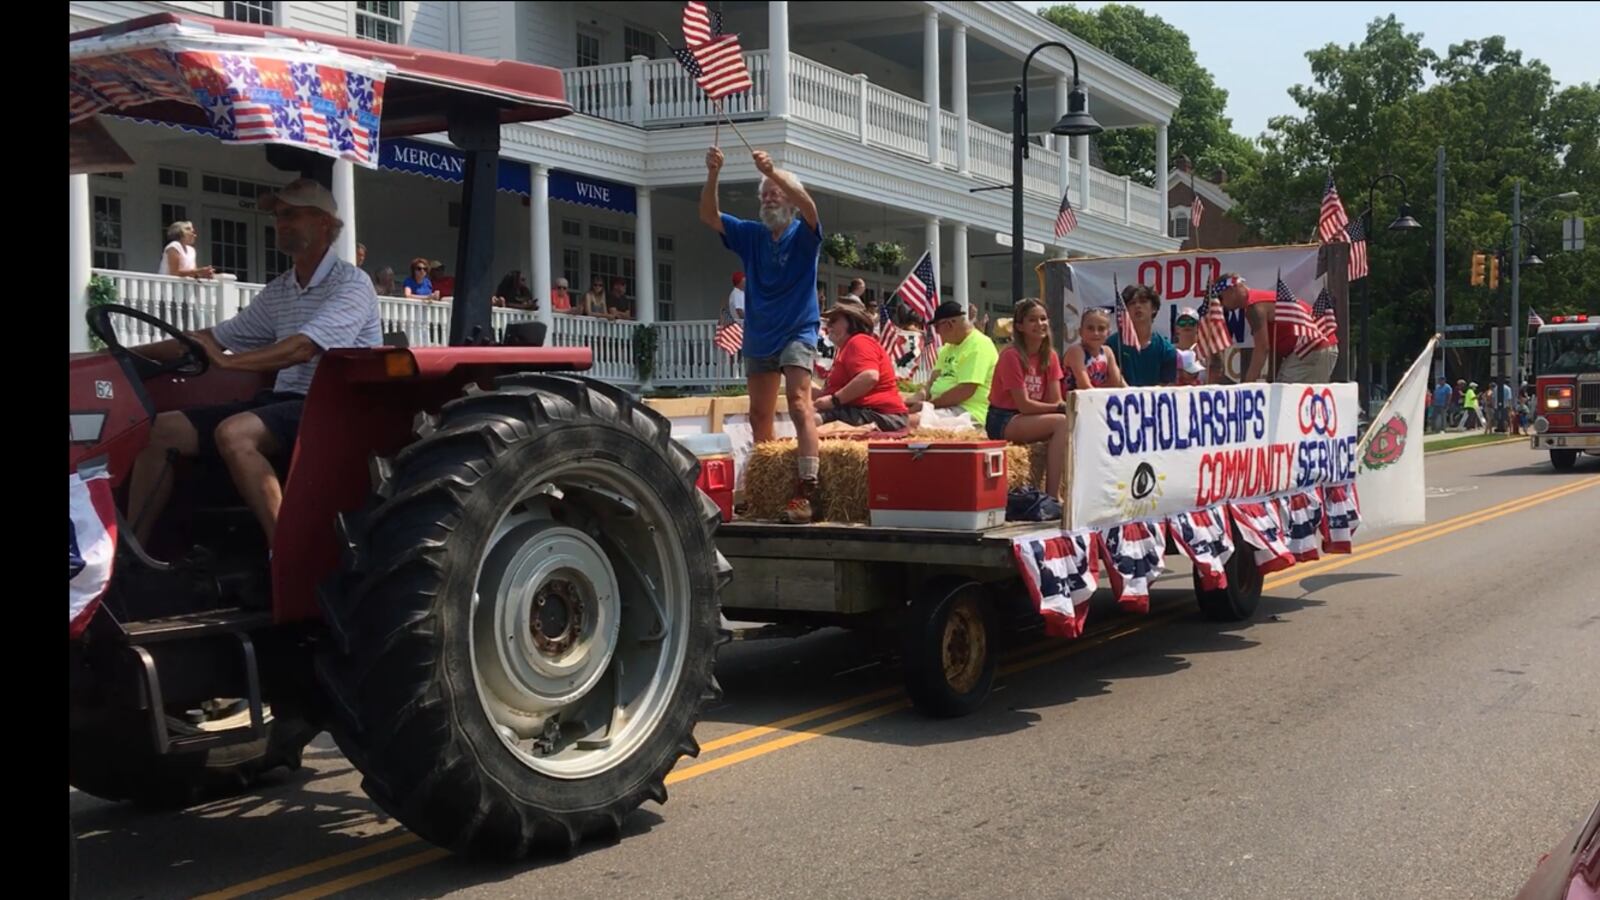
447,164
585,190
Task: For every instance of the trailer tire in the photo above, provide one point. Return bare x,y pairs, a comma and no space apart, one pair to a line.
1563,459
949,648
1238,601
525,630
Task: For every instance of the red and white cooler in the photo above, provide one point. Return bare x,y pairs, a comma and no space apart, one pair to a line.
939,484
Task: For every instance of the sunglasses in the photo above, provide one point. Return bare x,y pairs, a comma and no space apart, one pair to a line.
1186,322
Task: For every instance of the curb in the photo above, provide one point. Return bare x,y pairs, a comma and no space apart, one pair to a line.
1503,441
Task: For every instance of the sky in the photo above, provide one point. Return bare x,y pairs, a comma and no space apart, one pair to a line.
1256,51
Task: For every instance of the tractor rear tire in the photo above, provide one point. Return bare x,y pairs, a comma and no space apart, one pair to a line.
524,632
111,757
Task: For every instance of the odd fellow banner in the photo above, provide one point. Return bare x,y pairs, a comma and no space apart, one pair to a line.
1144,453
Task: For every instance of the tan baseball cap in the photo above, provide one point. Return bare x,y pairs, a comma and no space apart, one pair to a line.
300,192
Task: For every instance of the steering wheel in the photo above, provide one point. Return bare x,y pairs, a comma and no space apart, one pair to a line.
193,362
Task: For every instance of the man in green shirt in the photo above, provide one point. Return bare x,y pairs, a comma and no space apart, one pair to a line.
964,368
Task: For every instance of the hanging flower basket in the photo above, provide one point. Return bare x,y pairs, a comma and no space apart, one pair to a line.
840,249
886,255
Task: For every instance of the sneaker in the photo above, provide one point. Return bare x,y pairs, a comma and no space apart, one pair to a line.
798,512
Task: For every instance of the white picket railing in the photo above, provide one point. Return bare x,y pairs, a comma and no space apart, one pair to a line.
1041,172
824,95
990,153
897,122
950,138
1149,211
605,92
685,355
671,95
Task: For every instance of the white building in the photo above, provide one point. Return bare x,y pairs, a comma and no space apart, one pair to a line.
893,113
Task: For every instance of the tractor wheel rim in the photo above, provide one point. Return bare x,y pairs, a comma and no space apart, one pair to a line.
580,620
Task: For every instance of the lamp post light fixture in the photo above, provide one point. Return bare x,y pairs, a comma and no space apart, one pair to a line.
1076,122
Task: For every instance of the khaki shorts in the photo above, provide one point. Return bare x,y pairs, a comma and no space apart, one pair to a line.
795,355
1316,367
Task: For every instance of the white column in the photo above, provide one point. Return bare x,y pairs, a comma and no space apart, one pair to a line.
1080,149
930,240
959,251
861,121
778,59
344,196
80,255
639,93
1063,91
930,81
644,264
1162,167
542,279
958,99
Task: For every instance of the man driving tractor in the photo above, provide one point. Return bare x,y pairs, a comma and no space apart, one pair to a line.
321,303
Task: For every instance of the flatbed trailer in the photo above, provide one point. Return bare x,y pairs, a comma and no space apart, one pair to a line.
940,594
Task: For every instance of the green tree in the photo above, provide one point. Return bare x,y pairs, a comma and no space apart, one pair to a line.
1198,129
1371,110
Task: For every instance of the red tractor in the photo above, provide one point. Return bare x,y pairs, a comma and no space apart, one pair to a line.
492,580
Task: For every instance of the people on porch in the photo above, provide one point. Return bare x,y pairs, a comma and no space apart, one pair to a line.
560,299
320,303
1025,404
779,256
383,283
861,393
417,285
594,302
178,257
618,304
444,284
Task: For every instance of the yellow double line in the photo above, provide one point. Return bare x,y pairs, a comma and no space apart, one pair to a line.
1017,661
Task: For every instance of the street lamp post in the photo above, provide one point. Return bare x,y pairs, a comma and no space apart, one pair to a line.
1403,222
1516,270
1076,122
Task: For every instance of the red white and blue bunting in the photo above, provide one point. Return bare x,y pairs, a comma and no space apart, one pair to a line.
1061,572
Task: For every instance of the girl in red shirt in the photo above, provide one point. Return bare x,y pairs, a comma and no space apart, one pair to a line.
861,388
1025,404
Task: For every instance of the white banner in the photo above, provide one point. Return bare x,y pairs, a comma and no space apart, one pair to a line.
1145,453
1390,483
1181,279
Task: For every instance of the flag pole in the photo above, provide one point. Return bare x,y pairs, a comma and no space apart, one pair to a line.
1195,226
1122,345
721,113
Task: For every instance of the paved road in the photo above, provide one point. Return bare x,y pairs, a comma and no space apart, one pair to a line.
1419,719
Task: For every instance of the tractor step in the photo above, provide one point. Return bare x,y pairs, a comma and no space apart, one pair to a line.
211,623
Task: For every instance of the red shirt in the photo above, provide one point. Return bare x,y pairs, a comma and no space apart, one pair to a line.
863,353
1012,372
445,285
1283,334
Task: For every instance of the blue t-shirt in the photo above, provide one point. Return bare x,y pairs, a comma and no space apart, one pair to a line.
1441,396
425,289
780,286
1155,364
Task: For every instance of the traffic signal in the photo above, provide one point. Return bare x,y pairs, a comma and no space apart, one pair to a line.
1494,272
1477,269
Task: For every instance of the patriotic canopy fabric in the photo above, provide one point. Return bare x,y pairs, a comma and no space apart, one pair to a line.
279,90
92,545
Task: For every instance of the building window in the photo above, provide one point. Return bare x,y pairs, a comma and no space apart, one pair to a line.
172,212
572,269
604,267
256,13
571,228
247,191
107,251
1180,222
605,233
378,20
637,43
663,244
664,292
588,49
173,178
230,246
276,263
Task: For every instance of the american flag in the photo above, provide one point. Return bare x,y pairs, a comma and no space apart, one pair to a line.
729,338
1358,249
1197,209
929,358
1125,333
1066,219
700,25
888,335
1534,321
718,66
920,290
1331,224
1212,337
1322,312
1290,313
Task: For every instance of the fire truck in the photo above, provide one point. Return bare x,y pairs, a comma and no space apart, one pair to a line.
1567,396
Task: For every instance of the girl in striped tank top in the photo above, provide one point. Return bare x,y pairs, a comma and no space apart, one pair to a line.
1087,362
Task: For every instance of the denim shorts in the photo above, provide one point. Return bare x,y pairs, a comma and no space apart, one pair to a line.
995,424
795,355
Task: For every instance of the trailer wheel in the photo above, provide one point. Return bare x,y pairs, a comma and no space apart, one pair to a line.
1563,459
949,649
1237,601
